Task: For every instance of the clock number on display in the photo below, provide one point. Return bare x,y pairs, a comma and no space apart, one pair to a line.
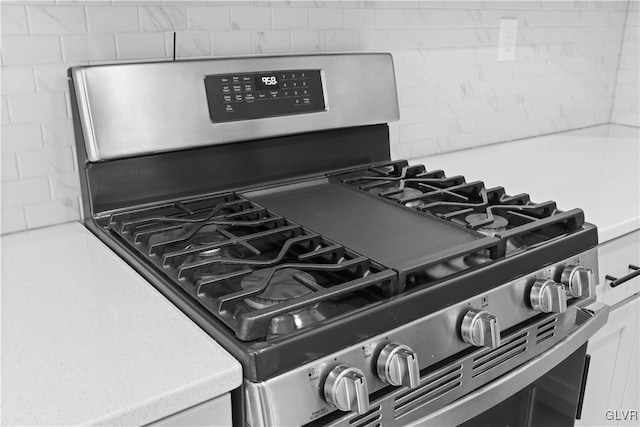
267,82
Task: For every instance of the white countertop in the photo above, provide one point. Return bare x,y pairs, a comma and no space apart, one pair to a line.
596,169
86,340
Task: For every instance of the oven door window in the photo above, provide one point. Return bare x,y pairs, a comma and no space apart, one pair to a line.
552,400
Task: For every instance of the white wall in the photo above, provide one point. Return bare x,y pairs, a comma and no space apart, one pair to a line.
453,93
626,108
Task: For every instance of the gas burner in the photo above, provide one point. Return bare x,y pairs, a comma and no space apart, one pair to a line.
477,258
498,225
407,193
217,269
291,322
285,284
485,225
205,237
448,268
208,236
513,244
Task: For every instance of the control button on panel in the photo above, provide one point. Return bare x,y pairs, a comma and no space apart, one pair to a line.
238,98
237,88
249,97
224,80
273,94
248,88
262,96
227,98
235,79
578,281
480,328
346,389
548,296
226,89
228,108
398,365
306,101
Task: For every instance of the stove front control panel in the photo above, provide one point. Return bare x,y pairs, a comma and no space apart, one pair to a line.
247,96
344,380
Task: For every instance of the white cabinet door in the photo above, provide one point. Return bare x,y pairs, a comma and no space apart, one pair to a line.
614,258
631,399
609,384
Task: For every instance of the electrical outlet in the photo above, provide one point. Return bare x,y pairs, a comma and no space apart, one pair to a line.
508,37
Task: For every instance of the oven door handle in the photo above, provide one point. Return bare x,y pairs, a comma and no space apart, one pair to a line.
590,318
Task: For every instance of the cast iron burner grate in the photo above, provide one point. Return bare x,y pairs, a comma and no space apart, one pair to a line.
516,220
261,274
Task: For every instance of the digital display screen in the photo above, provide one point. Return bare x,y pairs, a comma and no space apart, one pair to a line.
267,82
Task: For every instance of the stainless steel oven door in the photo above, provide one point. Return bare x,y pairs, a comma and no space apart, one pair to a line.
552,400
547,390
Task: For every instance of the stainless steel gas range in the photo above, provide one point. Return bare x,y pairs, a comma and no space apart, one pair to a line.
259,196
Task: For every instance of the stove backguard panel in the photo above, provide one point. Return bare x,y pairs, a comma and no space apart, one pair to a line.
394,237
124,183
136,109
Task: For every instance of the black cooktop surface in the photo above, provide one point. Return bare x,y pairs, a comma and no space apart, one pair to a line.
398,238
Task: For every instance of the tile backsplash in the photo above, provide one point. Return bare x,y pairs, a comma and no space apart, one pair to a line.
453,92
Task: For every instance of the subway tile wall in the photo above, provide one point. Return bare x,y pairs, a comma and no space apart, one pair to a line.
453,92
626,108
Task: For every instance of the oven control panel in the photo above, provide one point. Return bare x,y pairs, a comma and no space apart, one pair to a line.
247,96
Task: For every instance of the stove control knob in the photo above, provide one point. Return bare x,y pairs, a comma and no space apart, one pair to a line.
480,328
548,296
398,365
578,281
346,389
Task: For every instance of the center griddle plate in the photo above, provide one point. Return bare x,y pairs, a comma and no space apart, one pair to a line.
396,237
